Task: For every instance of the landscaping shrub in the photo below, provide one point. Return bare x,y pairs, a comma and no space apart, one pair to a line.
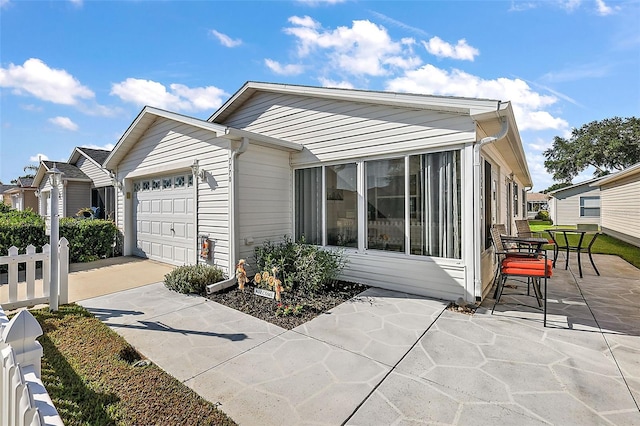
303,267
543,215
193,278
88,239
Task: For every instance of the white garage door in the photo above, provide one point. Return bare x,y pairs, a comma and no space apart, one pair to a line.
163,219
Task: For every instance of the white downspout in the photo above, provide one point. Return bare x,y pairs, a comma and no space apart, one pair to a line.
233,238
477,231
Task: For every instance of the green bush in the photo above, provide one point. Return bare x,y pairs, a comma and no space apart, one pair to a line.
543,215
193,278
303,267
89,240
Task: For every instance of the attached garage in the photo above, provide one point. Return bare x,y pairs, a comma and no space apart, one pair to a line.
163,208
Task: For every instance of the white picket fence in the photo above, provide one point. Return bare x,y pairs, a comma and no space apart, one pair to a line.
24,401
13,298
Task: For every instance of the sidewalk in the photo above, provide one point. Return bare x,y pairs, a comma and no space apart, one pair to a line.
390,358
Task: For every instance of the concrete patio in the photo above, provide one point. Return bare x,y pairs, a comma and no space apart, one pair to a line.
390,358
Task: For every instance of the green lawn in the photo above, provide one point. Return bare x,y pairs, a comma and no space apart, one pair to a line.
605,244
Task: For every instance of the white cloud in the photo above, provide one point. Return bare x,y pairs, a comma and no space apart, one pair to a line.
107,147
38,157
528,105
38,79
440,48
604,10
178,98
362,49
225,40
289,69
338,84
64,122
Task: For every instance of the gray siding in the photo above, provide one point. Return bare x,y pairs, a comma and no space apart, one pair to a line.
265,208
337,130
77,196
167,142
620,209
98,175
565,209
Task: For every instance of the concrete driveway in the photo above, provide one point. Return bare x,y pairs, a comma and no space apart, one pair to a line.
391,358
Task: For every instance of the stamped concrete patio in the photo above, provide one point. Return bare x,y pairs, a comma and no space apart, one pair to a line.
390,358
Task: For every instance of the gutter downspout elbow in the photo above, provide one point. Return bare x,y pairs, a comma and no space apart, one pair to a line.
477,232
233,238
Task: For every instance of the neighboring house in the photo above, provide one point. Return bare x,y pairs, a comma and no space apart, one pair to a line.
620,204
23,195
89,161
407,184
536,201
74,190
579,203
4,196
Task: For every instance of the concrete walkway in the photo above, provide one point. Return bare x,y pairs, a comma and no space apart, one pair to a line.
388,358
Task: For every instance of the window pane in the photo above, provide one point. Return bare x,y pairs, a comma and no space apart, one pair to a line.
342,205
435,231
385,204
308,194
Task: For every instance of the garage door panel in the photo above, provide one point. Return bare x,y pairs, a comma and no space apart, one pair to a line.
164,221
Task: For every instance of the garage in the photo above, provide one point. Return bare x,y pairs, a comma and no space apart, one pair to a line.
164,218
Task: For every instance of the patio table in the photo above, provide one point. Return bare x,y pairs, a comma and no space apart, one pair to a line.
577,248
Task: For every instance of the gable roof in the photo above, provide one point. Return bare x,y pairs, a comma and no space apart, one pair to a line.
629,171
69,172
487,113
148,116
98,156
566,188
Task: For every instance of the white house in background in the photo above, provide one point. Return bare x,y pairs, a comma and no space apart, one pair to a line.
579,203
407,184
22,196
620,204
85,184
89,161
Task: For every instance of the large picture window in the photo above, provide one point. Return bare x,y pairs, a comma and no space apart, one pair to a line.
410,205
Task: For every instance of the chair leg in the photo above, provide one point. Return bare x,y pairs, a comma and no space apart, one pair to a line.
503,279
593,264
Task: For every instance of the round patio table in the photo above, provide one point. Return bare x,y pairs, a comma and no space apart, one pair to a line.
553,233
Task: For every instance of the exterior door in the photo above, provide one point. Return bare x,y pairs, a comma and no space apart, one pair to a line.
164,218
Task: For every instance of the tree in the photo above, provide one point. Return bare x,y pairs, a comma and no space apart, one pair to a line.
608,145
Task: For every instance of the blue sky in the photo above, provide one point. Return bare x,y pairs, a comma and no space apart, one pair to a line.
76,73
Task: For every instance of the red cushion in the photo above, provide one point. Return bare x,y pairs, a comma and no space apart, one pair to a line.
531,267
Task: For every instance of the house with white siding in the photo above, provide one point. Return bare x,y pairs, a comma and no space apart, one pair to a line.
575,204
85,184
620,204
407,185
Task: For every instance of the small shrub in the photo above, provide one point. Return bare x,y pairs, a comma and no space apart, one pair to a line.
543,215
192,278
304,268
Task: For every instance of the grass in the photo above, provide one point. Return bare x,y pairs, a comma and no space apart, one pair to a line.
605,244
88,371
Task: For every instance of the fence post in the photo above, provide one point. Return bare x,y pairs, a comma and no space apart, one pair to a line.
31,273
63,258
46,276
13,274
21,334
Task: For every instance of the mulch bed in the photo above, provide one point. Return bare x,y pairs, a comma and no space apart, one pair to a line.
265,309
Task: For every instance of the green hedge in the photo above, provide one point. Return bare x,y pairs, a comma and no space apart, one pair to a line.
88,239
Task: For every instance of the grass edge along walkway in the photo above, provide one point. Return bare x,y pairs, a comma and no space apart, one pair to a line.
88,371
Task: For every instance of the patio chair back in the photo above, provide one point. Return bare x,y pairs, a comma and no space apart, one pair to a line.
523,228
